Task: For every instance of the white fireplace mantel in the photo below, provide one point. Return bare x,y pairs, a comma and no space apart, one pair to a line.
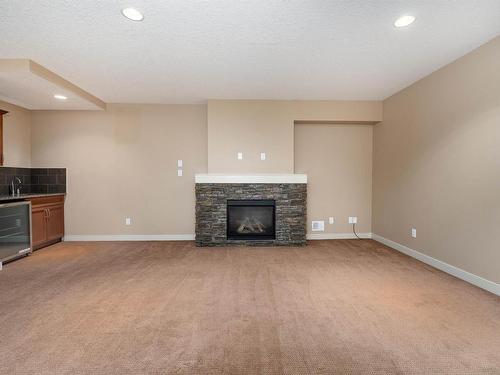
214,178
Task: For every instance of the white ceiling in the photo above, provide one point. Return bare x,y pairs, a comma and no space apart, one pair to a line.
29,85
188,51
32,92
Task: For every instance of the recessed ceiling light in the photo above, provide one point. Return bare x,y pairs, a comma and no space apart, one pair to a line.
404,21
60,97
132,14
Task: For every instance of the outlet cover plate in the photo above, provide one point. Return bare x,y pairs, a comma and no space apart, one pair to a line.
128,221
353,219
413,232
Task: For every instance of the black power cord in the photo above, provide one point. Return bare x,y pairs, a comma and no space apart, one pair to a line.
354,231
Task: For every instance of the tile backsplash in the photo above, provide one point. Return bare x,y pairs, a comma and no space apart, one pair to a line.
33,180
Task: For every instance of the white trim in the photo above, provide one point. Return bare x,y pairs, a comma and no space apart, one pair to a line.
478,281
337,236
191,237
206,178
129,237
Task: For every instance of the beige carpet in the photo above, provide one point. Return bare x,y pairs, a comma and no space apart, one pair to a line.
333,307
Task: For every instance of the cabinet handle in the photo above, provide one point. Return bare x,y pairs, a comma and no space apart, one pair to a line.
48,211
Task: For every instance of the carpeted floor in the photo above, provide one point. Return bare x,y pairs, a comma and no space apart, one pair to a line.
333,307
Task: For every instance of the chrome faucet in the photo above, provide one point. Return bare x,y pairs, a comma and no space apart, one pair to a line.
19,183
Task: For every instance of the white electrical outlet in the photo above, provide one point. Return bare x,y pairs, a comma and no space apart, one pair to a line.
413,232
262,156
179,172
353,219
318,226
240,155
331,220
179,163
128,221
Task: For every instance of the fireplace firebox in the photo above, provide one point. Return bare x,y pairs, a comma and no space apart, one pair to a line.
251,220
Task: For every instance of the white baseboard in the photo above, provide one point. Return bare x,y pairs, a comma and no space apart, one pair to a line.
478,281
336,236
130,237
191,237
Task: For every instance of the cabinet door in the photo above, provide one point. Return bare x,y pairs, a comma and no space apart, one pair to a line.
55,222
38,225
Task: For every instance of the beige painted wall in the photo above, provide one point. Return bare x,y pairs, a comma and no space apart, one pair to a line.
437,164
255,126
123,162
17,136
338,162
124,159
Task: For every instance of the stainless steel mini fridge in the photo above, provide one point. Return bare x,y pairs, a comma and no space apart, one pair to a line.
15,230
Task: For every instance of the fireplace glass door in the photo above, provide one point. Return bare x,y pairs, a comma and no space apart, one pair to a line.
251,220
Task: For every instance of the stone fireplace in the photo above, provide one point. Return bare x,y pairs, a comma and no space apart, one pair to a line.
263,210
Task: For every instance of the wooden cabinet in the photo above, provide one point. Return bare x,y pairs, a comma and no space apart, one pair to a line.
55,222
47,220
38,226
1,135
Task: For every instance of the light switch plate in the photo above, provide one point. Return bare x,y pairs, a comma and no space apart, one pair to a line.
318,226
262,156
331,220
179,172
179,163
240,155
413,232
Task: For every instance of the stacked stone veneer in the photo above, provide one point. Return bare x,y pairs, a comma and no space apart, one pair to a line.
211,212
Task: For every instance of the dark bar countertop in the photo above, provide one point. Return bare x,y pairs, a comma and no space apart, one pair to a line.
7,198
